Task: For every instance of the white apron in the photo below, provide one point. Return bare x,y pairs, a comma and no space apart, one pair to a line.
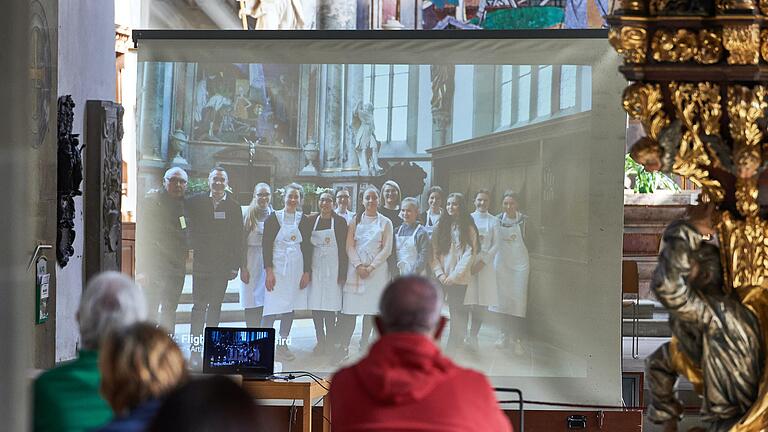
347,215
324,291
482,289
428,225
361,296
407,253
512,268
252,293
288,266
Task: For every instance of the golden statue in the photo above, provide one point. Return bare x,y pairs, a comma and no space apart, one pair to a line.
696,69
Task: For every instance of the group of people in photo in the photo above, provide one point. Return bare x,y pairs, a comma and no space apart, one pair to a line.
336,260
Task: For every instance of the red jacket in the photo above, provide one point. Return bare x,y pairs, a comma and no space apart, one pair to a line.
406,384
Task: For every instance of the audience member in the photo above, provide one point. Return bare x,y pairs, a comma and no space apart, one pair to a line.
405,383
205,405
67,397
139,366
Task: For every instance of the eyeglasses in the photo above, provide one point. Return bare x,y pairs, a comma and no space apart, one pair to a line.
263,194
176,180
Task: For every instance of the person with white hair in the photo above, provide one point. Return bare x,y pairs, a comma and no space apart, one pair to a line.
66,398
412,243
405,382
163,246
216,230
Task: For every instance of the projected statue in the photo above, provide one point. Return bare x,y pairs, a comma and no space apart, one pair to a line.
710,328
275,14
366,145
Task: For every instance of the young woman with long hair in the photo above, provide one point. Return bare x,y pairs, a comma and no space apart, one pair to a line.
252,274
454,245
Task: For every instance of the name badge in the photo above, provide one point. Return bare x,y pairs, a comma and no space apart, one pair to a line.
219,215
182,222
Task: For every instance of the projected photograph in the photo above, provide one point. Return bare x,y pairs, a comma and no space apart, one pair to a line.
289,195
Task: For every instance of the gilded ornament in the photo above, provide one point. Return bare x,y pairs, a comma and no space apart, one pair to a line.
680,46
745,107
710,47
644,102
632,7
764,44
735,5
742,43
764,7
657,6
629,42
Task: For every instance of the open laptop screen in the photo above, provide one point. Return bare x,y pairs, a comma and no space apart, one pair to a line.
244,351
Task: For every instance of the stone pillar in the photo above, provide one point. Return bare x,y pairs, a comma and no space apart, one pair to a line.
336,14
353,97
443,85
334,116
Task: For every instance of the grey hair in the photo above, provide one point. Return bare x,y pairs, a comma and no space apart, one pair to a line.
175,170
410,304
111,301
409,200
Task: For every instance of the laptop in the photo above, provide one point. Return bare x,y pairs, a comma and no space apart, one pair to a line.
249,352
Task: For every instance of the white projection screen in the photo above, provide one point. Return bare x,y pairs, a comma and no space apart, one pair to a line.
536,113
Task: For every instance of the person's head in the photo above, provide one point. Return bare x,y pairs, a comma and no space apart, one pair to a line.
218,180
706,271
510,203
411,304
326,204
391,191
207,404
293,195
371,200
409,210
455,205
262,196
482,200
457,216
139,363
175,182
435,198
647,152
342,199
111,301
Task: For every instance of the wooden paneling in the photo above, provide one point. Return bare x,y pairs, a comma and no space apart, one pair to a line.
128,255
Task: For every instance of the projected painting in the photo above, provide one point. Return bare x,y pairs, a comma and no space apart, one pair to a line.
506,144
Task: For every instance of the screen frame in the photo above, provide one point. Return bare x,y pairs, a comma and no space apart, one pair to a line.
239,370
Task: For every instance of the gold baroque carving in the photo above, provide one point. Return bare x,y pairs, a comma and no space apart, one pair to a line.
745,107
697,106
735,5
764,43
764,7
710,47
629,42
673,47
644,102
742,43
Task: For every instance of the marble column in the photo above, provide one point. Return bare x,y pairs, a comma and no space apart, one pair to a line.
354,96
334,116
443,86
336,14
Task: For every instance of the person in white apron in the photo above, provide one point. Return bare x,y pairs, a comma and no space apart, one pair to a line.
512,269
343,206
454,244
286,246
482,291
412,244
252,273
435,201
329,271
369,244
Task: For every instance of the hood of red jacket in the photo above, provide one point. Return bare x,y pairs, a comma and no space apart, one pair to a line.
402,368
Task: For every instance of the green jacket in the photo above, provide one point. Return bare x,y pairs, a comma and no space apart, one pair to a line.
67,397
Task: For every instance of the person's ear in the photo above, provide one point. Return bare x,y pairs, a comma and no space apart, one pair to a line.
379,324
440,327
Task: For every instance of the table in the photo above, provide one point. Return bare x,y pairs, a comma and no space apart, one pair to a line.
304,390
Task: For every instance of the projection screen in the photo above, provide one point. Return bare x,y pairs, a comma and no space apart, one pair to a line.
526,126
